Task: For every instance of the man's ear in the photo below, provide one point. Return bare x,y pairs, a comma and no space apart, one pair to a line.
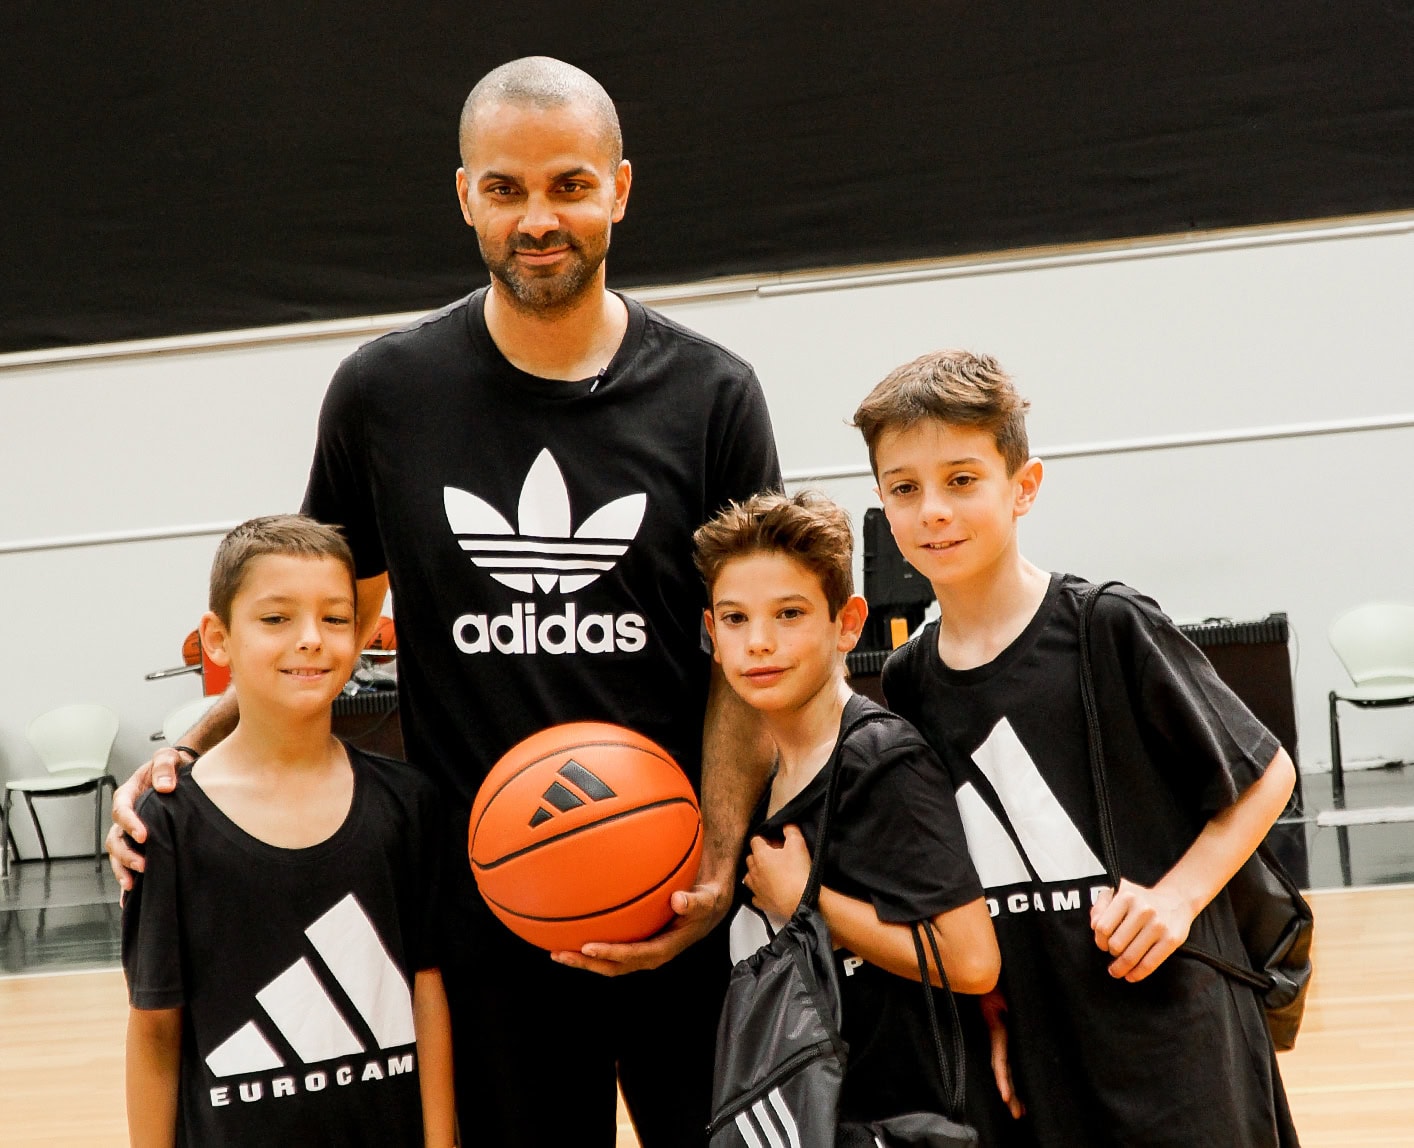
623,180
851,618
1027,480
464,194
711,624
213,638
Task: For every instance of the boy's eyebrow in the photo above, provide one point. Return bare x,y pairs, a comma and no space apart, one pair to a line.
970,460
277,599
774,601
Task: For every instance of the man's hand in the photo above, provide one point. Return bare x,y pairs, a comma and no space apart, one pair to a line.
994,1011
696,913
1140,927
777,874
160,774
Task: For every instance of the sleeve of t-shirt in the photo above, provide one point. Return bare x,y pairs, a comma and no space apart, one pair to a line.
900,837
744,460
1210,740
151,943
338,491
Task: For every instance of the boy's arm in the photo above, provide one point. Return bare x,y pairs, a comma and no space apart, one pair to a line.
1141,927
154,1055
433,1025
777,874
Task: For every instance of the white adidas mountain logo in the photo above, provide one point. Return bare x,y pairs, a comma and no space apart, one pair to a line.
1052,844
542,549
301,1010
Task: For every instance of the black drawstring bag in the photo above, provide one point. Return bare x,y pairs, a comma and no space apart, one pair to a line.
1273,919
780,1058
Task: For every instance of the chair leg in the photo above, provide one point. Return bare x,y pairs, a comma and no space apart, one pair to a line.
38,829
1337,770
7,839
98,826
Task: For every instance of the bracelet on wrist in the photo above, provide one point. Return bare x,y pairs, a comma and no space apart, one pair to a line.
191,754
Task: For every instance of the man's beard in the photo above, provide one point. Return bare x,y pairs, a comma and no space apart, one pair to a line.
539,292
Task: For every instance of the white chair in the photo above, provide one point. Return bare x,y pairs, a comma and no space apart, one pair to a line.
181,719
73,742
1375,643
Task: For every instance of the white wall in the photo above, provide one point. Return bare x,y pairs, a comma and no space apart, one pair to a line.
1253,331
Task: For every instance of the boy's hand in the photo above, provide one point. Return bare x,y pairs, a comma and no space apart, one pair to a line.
777,874
993,1006
1139,927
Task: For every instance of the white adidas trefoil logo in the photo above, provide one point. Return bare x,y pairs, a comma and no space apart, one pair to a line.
1053,845
542,549
301,1010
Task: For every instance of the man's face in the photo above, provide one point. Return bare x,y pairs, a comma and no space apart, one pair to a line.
542,191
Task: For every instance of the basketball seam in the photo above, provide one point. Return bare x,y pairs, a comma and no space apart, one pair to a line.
673,872
486,868
661,755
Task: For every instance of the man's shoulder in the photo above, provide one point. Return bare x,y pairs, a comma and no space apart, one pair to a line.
881,738
669,335
431,336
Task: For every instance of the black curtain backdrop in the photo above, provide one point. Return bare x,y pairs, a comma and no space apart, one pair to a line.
171,168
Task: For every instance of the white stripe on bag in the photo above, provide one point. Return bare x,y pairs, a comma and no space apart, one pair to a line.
787,1120
767,1125
748,1133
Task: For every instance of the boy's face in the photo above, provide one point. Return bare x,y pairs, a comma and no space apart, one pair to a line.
772,632
950,503
291,643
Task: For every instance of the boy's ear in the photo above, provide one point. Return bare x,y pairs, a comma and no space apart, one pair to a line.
711,624
213,638
1027,480
851,618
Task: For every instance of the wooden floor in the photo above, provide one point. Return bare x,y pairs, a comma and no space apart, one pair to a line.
1351,1079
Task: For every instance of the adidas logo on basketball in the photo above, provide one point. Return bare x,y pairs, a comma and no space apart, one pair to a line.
543,552
564,799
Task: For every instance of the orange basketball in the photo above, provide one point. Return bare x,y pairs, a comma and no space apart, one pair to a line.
384,637
583,832
191,649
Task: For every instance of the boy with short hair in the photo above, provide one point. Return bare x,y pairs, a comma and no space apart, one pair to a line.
783,615
280,944
1112,1042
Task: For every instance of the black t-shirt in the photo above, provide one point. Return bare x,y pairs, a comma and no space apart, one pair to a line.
538,534
1181,1058
896,841
293,967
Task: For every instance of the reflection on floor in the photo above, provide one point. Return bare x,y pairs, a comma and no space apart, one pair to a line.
64,916
59,917
1378,854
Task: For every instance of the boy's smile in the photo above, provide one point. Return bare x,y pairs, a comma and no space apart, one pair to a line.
772,632
950,503
291,642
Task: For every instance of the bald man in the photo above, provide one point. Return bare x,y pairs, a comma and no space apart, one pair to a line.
464,458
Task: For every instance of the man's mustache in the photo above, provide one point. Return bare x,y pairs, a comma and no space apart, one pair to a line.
544,243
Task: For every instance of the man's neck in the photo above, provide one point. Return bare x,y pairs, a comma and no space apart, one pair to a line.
983,616
570,343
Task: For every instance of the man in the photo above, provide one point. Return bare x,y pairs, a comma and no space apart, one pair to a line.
525,470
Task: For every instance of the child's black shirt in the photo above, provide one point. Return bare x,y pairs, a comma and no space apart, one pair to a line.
897,842
293,967
1181,1058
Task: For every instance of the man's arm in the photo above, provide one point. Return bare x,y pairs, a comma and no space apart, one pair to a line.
1141,927
216,724
736,760
154,1055
433,1024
